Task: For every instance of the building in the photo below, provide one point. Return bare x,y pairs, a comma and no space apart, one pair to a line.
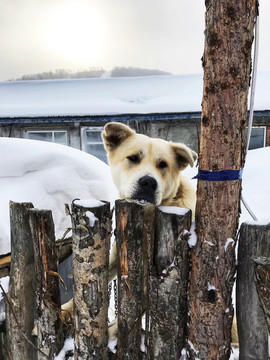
73,112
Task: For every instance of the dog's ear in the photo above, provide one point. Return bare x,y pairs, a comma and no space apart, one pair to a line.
184,155
114,134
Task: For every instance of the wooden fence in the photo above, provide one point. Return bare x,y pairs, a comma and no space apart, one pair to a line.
153,266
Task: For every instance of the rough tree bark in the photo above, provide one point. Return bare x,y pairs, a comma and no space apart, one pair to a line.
91,226
227,64
252,326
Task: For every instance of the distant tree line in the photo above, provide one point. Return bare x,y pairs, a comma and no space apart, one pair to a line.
133,71
64,74
92,73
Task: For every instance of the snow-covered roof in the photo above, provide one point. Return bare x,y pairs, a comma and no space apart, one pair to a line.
106,96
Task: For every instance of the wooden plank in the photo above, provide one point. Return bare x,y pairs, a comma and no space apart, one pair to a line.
168,286
48,326
91,244
252,327
133,229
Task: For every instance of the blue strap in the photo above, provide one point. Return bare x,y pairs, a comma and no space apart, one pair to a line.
223,175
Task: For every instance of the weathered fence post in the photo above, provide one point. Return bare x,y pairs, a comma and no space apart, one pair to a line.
132,232
20,310
254,242
169,284
48,326
91,224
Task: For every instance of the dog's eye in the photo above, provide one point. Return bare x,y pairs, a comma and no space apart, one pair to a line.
134,159
162,165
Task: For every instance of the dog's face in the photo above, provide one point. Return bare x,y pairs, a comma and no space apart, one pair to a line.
144,168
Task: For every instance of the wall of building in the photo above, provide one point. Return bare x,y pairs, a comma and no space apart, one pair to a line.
183,128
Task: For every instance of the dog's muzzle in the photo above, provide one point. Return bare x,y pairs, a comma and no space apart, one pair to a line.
146,189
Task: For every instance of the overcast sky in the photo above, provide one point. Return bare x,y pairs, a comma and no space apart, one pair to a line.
43,35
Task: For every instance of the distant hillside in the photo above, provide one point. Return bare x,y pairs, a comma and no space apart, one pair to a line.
120,71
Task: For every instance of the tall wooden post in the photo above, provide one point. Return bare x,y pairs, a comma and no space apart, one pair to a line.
91,225
168,304
227,64
21,307
132,221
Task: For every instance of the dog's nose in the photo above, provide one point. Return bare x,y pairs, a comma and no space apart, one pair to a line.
148,183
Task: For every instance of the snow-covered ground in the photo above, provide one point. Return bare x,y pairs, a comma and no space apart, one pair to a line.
149,94
50,175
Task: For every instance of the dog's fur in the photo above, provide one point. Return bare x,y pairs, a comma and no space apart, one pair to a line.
149,169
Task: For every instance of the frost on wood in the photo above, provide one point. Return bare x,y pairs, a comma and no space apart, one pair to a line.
91,244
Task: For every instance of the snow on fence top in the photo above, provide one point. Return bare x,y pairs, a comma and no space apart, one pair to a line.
151,94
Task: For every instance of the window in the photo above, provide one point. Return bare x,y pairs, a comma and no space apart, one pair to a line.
257,138
56,136
92,142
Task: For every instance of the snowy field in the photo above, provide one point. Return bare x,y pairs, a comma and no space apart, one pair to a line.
50,175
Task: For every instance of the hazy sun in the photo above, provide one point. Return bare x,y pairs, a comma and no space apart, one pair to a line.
75,31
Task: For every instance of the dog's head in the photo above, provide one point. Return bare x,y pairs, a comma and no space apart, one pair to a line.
144,168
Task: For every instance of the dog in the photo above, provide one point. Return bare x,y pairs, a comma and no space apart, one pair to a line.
149,169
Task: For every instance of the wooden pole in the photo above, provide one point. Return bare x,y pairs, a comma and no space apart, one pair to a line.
169,286
252,327
133,226
48,326
227,64
20,309
91,244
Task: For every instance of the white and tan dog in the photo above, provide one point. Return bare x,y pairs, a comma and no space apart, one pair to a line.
149,169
